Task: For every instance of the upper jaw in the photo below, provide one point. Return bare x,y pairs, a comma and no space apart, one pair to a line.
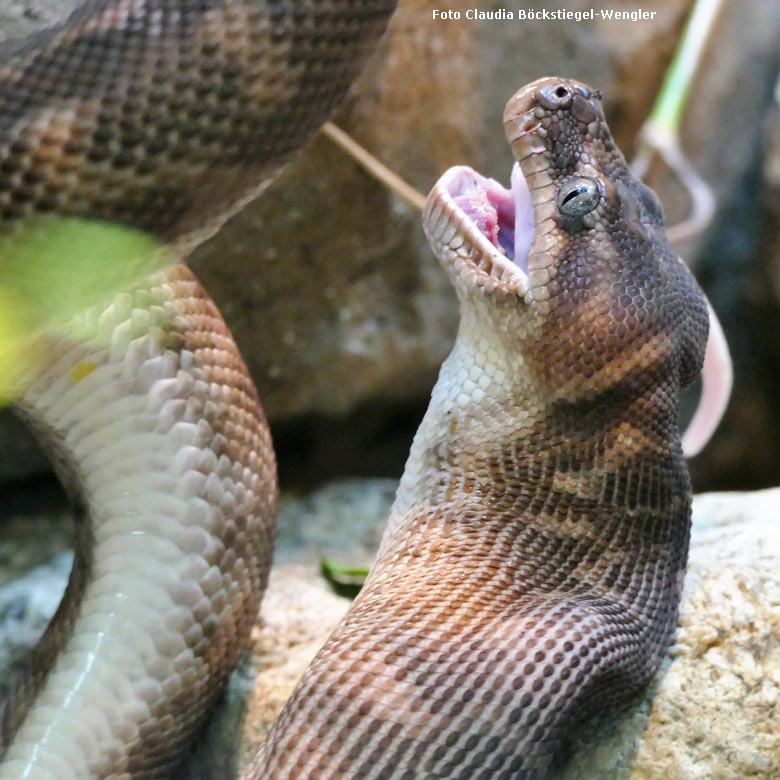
505,239
482,230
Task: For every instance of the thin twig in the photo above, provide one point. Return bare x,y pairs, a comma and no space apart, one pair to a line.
379,171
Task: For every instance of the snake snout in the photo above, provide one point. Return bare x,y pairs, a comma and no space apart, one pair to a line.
530,111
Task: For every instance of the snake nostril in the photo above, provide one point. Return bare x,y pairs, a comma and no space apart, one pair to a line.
555,96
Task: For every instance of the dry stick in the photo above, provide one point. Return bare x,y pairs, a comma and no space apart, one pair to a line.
379,171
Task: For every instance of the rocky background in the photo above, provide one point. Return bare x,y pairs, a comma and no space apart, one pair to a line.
344,316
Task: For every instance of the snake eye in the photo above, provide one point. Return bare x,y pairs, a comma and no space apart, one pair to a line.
578,196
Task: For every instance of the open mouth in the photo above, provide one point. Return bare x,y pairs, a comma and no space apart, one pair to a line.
481,220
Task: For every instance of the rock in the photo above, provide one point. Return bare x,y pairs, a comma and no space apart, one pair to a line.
35,562
19,18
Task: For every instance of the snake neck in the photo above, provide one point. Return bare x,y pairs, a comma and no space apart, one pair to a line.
520,564
492,438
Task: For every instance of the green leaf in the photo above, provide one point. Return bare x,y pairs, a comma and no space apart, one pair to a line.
52,268
345,580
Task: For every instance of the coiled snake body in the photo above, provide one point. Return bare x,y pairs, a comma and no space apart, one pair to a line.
533,560
163,115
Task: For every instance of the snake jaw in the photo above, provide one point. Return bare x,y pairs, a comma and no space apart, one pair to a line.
511,240
481,231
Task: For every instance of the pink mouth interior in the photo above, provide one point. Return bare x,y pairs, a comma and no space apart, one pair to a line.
503,216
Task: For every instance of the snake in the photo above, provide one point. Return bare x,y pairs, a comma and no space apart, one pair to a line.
532,565
163,116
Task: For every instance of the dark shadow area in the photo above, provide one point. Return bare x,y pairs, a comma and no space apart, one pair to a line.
372,441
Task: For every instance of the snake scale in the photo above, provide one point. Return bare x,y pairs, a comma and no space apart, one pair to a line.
532,565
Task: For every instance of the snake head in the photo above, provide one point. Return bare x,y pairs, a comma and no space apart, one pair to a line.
572,258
